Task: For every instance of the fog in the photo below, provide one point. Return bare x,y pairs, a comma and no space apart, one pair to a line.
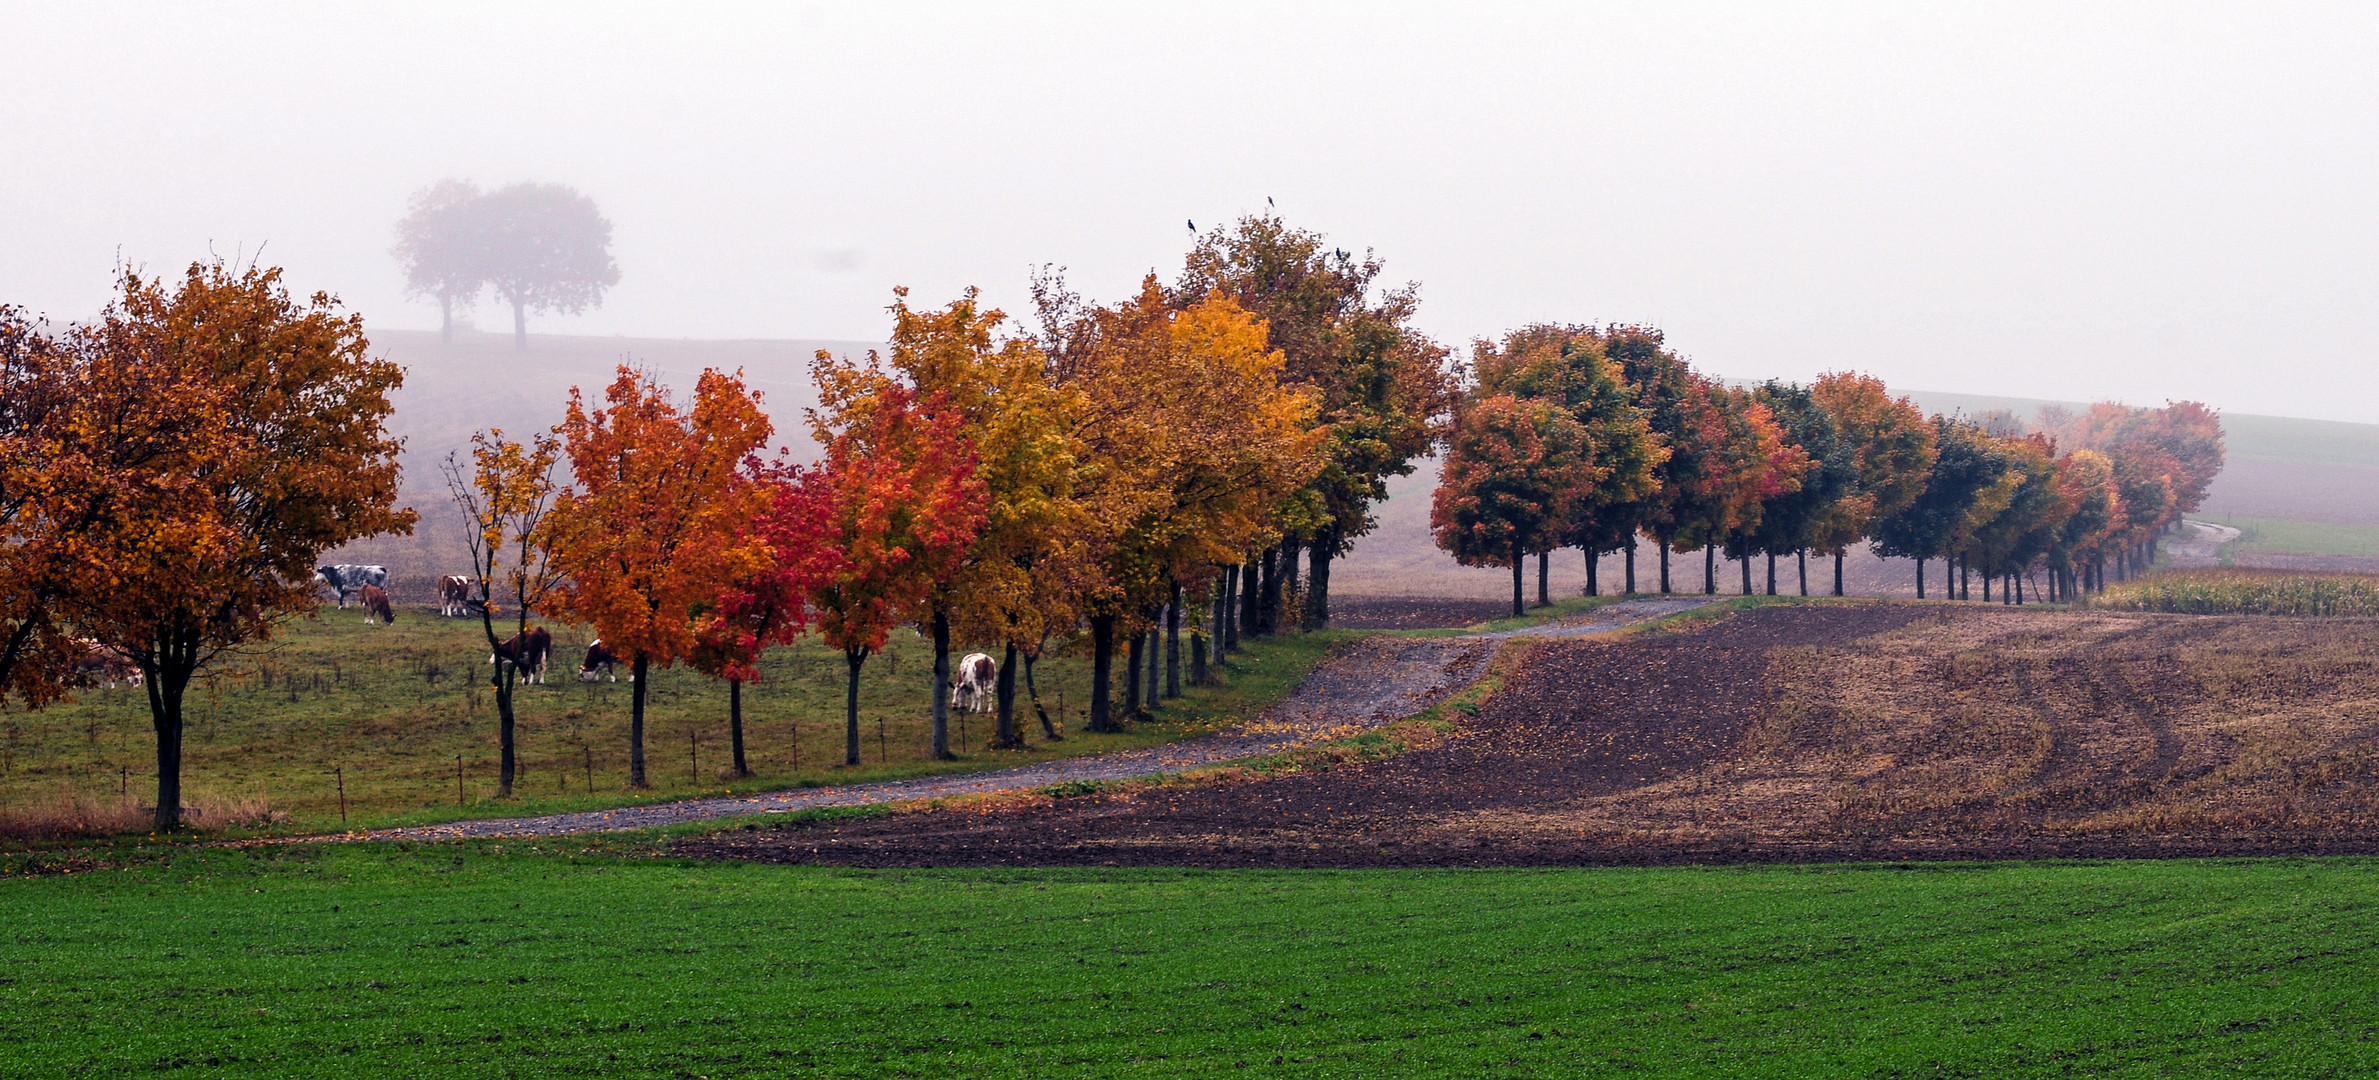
2145,202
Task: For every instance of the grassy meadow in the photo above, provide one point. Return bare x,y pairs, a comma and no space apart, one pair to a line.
391,709
2281,537
2236,591
499,960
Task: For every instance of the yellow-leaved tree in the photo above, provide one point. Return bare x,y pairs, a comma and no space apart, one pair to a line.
1192,439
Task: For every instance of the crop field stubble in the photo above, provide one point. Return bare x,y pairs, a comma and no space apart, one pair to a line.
392,708
1791,733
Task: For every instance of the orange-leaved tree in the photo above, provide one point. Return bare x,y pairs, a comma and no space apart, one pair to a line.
506,495
279,454
659,520
1892,452
770,604
1512,469
903,498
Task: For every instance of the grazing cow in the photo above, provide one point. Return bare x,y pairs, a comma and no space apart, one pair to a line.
971,684
527,652
375,606
454,595
349,578
600,663
104,665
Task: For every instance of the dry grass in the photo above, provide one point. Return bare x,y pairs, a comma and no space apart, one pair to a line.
2247,592
68,814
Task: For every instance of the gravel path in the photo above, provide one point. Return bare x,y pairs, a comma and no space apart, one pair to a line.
2199,543
1372,682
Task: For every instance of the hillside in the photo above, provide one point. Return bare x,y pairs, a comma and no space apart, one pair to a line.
480,381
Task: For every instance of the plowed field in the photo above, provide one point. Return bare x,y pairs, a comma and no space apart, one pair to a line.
1799,733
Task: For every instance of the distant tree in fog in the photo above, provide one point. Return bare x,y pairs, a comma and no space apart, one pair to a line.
547,248
442,246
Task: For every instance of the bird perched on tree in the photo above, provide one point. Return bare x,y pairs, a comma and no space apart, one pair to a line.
1193,226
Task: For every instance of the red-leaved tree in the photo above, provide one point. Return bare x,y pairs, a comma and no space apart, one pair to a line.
904,499
770,605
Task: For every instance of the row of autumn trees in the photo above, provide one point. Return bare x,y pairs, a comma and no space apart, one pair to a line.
1594,437
1105,472
172,471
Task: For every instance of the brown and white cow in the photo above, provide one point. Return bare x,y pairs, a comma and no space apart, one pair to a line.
454,595
527,653
104,665
375,605
600,663
972,685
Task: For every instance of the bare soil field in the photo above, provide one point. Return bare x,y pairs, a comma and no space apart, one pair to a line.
1804,733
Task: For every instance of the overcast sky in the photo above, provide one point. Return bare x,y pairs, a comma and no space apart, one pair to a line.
2146,202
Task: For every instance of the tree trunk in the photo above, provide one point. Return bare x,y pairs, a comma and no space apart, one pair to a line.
1592,558
1966,580
1710,569
941,684
1544,574
1173,644
852,659
1156,658
637,671
1631,565
507,760
1771,573
1132,664
1102,672
1226,617
1664,563
1033,690
1284,606
1519,579
1746,561
1007,737
1986,586
735,725
1268,603
1840,555
1920,577
445,319
1251,589
167,671
1200,674
1317,585
520,333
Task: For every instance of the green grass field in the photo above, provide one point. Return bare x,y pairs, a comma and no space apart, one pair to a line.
2300,537
394,706
451,961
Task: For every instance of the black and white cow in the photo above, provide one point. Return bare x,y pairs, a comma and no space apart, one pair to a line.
600,663
350,579
971,686
526,652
